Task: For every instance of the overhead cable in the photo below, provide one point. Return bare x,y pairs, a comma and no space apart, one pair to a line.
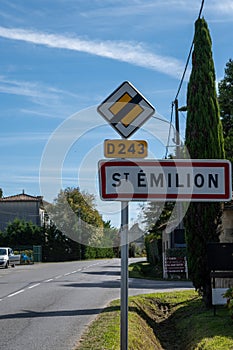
182,79
189,55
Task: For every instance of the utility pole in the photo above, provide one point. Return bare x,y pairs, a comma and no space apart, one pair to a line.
178,156
177,125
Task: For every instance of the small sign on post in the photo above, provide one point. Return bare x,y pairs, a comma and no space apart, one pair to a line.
125,148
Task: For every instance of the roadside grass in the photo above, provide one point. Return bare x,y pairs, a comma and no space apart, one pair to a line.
145,270
170,321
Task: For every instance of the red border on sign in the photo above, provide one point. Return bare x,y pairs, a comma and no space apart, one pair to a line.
176,163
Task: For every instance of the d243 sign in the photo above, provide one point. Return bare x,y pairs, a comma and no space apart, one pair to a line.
125,149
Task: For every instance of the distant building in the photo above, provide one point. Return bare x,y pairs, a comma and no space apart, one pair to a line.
226,237
136,235
227,221
175,238
21,206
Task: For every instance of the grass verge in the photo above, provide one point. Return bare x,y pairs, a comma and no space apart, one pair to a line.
145,270
170,321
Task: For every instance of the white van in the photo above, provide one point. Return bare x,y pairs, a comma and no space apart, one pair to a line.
8,258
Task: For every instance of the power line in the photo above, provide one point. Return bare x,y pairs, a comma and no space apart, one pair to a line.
182,78
201,8
189,55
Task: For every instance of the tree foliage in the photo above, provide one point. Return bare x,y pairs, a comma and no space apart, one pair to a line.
204,140
22,233
74,213
156,216
225,99
56,244
81,223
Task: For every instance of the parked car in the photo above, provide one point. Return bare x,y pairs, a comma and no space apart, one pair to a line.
8,258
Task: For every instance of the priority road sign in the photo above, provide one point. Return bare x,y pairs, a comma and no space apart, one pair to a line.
160,180
126,109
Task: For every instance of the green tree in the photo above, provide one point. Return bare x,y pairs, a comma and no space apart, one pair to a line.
23,233
204,140
156,216
80,222
109,244
225,99
74,214
58,247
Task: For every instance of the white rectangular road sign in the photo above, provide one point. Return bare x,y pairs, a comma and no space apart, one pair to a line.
160,180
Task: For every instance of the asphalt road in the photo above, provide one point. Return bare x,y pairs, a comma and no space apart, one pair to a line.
48,306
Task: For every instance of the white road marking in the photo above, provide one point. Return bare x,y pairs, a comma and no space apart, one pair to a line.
13,294
34,285
49,280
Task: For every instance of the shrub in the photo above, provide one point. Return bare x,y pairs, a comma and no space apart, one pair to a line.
229,296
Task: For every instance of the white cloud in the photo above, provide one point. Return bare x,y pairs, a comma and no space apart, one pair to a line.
14,138
224,6
133,53
138,7
29,89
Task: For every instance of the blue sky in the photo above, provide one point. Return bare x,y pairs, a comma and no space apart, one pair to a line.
61,58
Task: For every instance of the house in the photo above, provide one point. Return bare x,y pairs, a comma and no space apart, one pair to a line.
226,237
21,206
175,238
227,222
172,237
136,235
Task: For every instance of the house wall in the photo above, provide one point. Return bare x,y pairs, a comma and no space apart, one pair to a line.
166,240
24,210
226,237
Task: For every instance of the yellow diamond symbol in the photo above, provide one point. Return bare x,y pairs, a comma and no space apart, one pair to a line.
126,109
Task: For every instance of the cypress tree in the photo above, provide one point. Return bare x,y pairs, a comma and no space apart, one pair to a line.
204,140
225,99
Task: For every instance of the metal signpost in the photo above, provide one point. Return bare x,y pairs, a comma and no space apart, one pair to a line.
125,110
141,179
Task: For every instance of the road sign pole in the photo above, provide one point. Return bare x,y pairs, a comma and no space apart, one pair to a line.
124,274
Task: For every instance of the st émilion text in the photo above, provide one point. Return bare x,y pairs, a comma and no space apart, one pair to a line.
166,179
169,180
